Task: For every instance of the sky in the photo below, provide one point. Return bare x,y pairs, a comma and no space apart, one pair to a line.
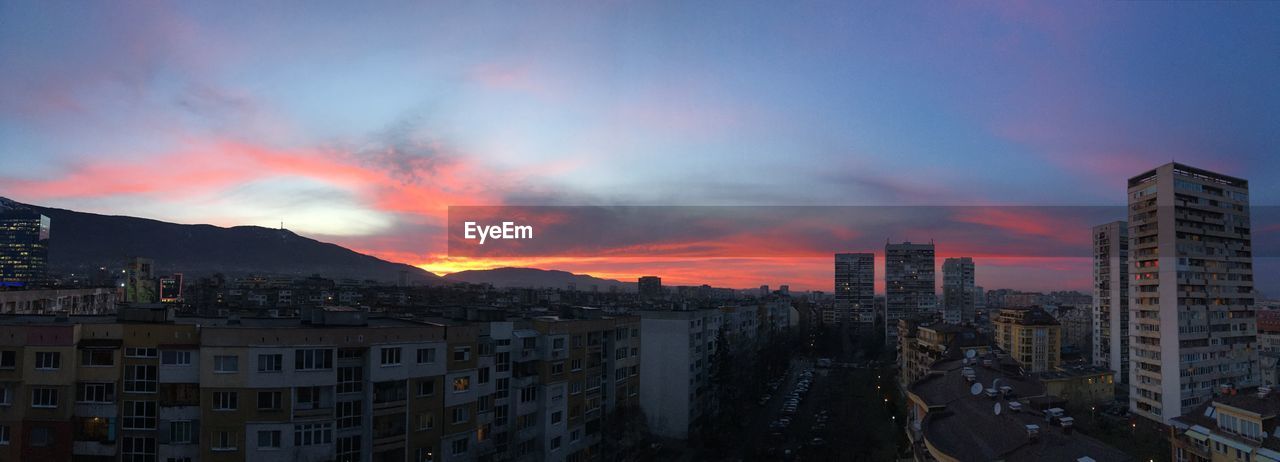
361,123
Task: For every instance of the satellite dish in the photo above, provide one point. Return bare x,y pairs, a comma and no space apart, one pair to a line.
975,389
997,409
970,353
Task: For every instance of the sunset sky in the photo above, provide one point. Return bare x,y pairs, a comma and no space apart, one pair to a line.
360,123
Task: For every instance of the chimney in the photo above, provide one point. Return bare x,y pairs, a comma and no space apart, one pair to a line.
1033,432
1067,424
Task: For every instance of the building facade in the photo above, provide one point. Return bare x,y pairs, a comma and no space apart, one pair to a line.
909,284
1031,337
958,290
1191,299
24,248
855,290
336,384
1111,298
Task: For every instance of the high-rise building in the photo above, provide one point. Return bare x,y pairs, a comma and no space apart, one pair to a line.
958,290
909,284
24,248
1111,298
1191,299
140,281
650,288
855,289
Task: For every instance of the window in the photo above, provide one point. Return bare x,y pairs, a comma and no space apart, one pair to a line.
313,359
270,363
6,395
97,358
427,387
308,397
269,439
96,392
226,400
139,378
460,415
270,400
8,359
139,415
175,358
575,365
348,448
350,353
557,368
44,397
224,441
312,434
389,391
460,446
48,360
482,375
461,384
180,432
391,356
137,449
350,379
529,393
41,437
4,435
225,364
426,421
349,414
426,355
556,417
555,443
140,352
461,353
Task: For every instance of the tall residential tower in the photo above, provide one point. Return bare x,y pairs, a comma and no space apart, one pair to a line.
958,294
24,248
855,289
1192,323
909,284
1111,298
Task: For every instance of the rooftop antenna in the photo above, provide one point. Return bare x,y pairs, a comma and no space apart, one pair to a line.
975,389
996,409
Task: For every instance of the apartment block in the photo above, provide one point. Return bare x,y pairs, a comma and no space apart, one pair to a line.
958,290
1031,336
336,384
1192,319
1111,298
909,284
855,280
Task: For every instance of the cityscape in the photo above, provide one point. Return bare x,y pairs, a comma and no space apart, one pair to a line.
239,232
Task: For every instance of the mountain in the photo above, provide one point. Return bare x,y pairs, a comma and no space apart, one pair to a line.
81,242
533,277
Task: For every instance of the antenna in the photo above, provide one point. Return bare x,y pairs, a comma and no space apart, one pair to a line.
996,409
975,389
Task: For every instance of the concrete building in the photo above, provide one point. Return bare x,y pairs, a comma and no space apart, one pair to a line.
909,284
24,248
1111,298
50,301
1077,330
1031,337
1236,425
1192,322
337,384
650,288
855,290
676,392
924,341
958,290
